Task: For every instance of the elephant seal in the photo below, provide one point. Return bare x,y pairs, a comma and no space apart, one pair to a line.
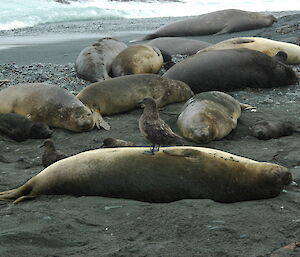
232,69
94,62
219,22
122,94
267,129
209,116
137,59
154,129
110,142
178,45
172,174
21,128
46,103
267,46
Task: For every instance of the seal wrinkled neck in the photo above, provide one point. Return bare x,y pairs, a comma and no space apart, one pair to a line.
150,108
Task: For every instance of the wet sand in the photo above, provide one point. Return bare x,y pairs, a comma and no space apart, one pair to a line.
98,226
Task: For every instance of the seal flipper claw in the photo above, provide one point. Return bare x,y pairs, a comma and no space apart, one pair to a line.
104,124
7,192
247,107
99,121
24,197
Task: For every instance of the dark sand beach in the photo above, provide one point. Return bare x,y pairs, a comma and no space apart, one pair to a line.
98,226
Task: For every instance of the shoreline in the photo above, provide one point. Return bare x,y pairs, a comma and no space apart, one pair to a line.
63,225
61,43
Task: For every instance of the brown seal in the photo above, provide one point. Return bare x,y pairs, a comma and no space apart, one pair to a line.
172,174
219,22
122,94
137,59
21,128
178,45
94,62
267,129
50,154
154,129
110,142
46,103
209,116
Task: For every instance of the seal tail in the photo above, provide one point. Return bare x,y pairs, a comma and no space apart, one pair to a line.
18,194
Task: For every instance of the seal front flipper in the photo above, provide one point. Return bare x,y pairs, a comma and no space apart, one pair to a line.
242,40
187,153
247,107
99,121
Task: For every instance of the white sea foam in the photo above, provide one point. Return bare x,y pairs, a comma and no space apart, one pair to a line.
26,13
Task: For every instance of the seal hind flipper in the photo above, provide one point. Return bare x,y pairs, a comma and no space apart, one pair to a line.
24,197
99,121
7,192
9,195
15,194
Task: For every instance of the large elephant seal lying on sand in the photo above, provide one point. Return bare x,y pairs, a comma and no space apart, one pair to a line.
178,45
219,22
267,46
94,62
209,116
173,173
137,59
46,103
122,94
232,69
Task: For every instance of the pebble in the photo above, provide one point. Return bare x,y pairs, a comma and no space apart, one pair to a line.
62,75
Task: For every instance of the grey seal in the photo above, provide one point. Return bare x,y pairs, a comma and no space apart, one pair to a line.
94,62
231,69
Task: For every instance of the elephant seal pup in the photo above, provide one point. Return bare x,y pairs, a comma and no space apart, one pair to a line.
21,128
267,129
94,62
267,46
172,174
154,129
111,142
232,69
122,94
178,45
137,59
219,22
209,116
46,103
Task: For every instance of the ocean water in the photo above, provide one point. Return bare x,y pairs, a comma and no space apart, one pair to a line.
27,13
